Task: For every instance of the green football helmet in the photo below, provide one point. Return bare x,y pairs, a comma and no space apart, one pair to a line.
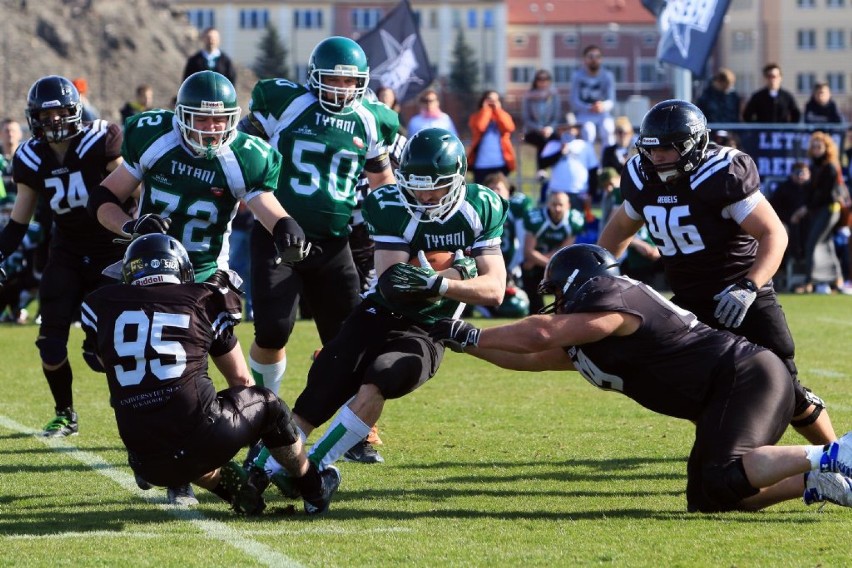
433,159
207,93
338,57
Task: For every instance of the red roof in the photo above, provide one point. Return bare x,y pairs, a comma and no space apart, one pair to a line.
578,12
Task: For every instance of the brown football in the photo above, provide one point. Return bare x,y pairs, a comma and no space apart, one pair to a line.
439,259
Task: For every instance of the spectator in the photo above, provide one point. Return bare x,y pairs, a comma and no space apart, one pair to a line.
387,96
788,198
822,267
720,102
11,135
491,130
211,58
772,103
90,113
576,171
616,155
820,108
430,115
541,111
623,336
546,230
144,101
593,97
725,138
609,182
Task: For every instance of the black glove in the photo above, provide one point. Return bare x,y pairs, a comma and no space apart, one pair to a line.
455,334
290,244
147,224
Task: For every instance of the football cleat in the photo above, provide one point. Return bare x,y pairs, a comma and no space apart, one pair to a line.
246,499
182,496
363,452
832,487
838,456
141,483
318,505
285,485
63,424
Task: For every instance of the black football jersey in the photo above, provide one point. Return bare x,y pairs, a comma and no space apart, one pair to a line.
669,364
703,250
66,186
154,341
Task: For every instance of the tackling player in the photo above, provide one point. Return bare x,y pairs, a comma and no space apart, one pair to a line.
623,336
383,350
61,164
153,333
720,240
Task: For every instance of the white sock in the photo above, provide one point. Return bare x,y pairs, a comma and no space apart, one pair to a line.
270,375
344,432
814,455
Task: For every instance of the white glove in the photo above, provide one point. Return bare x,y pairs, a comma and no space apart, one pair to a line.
734,302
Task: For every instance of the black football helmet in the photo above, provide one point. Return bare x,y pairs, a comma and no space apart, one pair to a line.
570,268
678,124
156,259
54,92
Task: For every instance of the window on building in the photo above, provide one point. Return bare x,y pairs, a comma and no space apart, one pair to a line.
254,19
433,19
488,18
835,39
488,73
522,74
741,5
806,3
365,19
805,82
742,41
806,40
835,3
619,70
650,72
609,40
472,19
562,73
570,40
520,40
307,19
456,18
202,19
649,39
836,82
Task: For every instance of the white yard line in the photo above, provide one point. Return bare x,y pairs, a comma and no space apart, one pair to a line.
213,529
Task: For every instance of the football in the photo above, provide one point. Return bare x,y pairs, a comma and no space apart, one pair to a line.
439,259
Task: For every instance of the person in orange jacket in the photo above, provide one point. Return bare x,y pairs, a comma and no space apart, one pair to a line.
491,130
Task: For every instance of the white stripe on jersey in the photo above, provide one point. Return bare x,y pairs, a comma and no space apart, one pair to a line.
472,217
155,151
29,157
633,170
223,321
233,174
97,131
715,163
390,239
375,147
273,126
88,317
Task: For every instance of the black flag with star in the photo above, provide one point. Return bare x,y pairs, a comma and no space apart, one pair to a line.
396,54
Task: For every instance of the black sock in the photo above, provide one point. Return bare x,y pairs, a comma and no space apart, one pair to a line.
310,484
222,492
59,381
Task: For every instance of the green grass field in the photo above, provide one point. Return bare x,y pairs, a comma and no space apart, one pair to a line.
484,468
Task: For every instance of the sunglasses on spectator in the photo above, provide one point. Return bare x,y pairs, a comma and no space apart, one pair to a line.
425,101
542,78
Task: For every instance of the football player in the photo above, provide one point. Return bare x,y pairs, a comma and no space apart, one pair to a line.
195,167
328,133
623,336
61,164
383,350
153,334
720,239
546,230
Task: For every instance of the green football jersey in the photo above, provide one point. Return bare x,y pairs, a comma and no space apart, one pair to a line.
200,196
549,234
324,153
513,231
477,224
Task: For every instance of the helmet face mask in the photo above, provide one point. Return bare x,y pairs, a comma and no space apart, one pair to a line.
676,125
433,160
54,93
156,259
569,269
203,95
338,57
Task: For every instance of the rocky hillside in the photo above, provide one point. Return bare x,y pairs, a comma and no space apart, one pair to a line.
114,44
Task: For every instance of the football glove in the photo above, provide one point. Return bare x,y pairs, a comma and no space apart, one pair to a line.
455,334
290,244
734,302
147,224
465,265
412,283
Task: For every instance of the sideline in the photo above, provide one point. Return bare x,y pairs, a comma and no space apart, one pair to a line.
213,529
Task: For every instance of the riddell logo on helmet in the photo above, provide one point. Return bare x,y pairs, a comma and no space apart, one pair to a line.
213,105
650,140
153,279
693,128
